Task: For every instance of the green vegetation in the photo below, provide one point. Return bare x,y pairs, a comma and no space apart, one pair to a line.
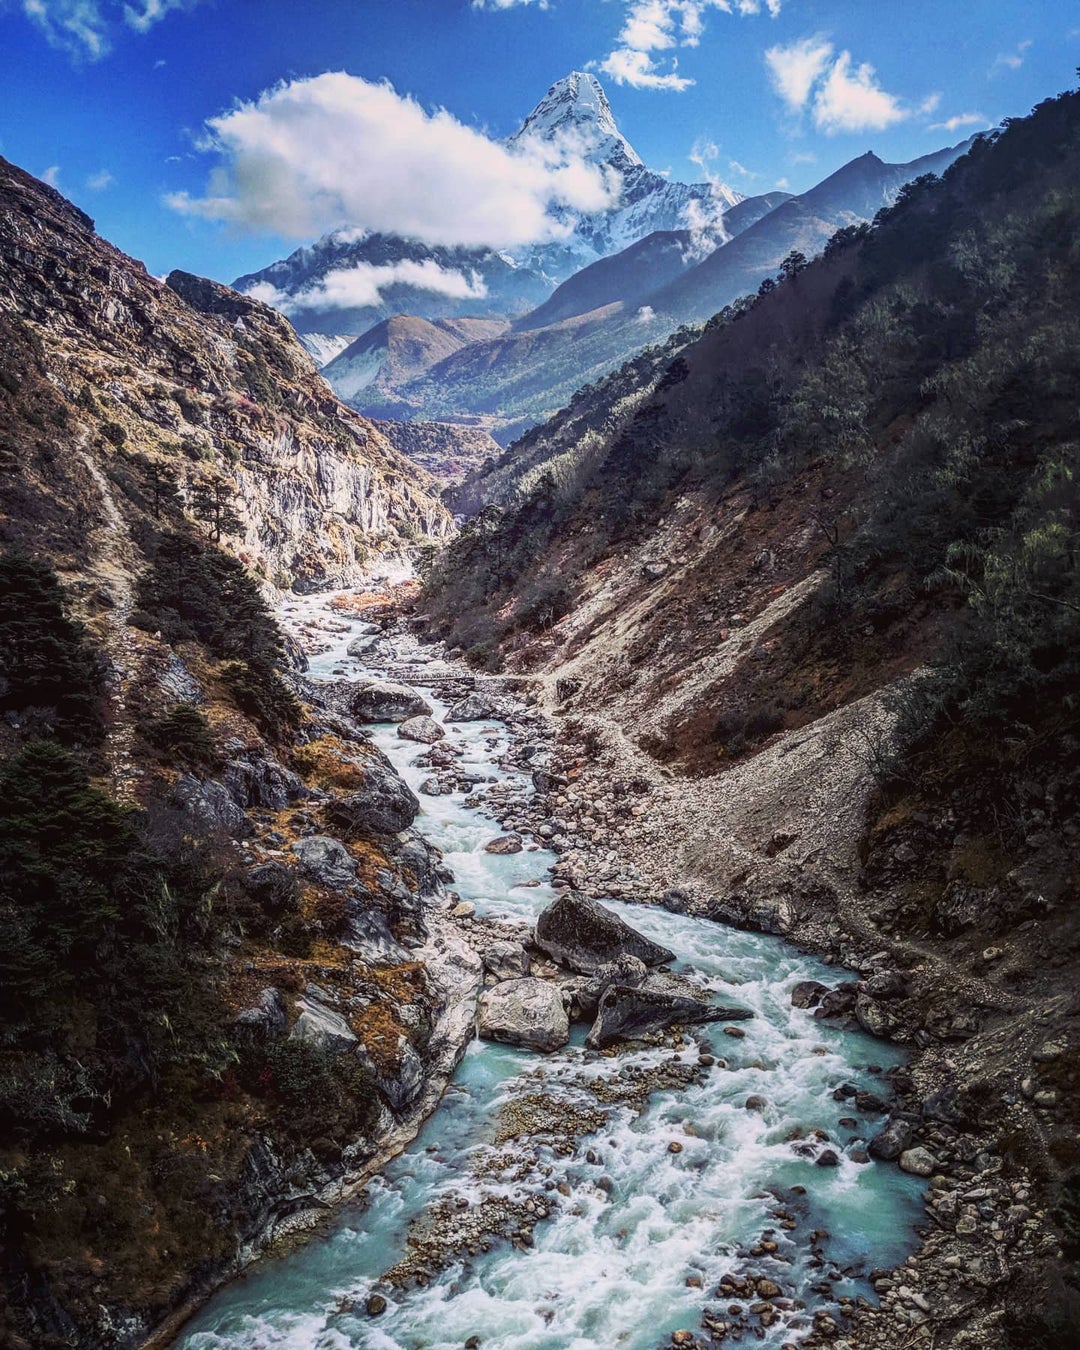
108,930
192,593
50,678
183,738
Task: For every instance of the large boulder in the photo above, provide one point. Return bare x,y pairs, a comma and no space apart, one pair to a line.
585,991
326,861
472,708
808,993
263,1019
626,1014
874,1018
255,779
385,804
322,1027
528,1013
423,729
506,960
211,805
367,932
506,843
577,932
383,701
894,1139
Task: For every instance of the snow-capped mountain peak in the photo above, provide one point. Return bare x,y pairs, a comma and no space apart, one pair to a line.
577,107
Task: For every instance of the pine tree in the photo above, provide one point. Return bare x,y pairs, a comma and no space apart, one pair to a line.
212,504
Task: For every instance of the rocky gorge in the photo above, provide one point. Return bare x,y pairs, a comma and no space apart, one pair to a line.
580,959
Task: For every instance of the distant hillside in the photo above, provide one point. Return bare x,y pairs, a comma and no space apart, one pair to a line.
402,349
630,276
526,375
449,451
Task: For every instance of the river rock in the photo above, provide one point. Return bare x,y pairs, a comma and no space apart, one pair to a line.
326,860
920,1162
322,1027
627,1014
872,1017
585,991
577,932
423,729
506,961
808,993
385,804
835,1003
890,1142
887,984
383,701
506,843
472,708
527,1012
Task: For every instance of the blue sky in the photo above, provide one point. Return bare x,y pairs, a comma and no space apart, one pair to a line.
112,100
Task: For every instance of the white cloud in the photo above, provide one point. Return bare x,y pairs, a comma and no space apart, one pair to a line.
961,120
660,26
645,314
930,104
152,11
76,26
783,183
313,154
741,169
98,182
850,99
362,286
84,28
52,176
1011,60
809,75
795,69
640,71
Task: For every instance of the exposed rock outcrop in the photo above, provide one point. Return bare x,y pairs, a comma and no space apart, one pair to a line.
207,384
577,932
626,1013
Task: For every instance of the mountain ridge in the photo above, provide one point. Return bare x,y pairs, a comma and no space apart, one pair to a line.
575,114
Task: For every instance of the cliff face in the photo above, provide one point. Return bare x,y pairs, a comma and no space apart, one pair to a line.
210,388
223,983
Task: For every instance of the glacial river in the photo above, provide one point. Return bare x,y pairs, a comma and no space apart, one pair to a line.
610,1267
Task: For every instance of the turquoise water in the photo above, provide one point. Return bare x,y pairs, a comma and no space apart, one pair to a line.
610,1266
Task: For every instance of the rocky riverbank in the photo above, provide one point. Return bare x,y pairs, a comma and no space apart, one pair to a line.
624,828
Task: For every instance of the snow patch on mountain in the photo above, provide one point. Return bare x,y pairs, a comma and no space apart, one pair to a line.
348,281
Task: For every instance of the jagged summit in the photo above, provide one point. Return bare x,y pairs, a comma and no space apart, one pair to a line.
576,118
577,106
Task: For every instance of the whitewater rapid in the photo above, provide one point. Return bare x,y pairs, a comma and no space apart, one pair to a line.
628,1261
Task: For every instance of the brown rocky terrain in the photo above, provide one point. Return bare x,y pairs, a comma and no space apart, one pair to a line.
188,380
806,685
224,992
